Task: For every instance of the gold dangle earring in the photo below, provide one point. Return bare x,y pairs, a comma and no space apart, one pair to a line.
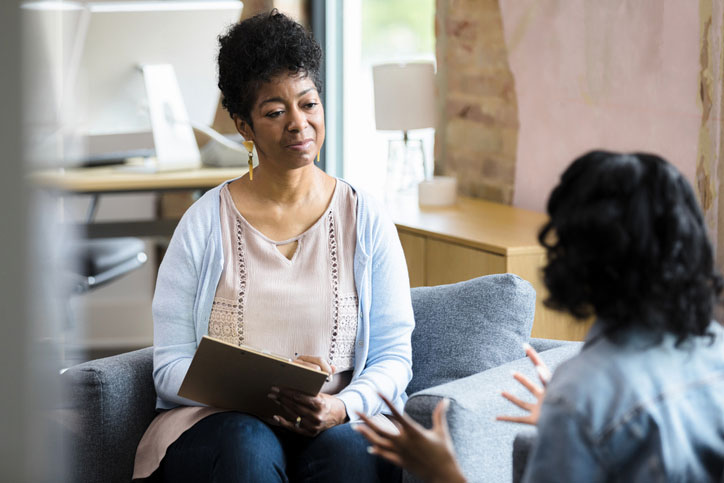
249,145
318,154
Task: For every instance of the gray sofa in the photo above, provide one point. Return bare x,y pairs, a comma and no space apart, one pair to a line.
466,342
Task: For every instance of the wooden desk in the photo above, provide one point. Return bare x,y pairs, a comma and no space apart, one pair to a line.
107,180
114,180
474,238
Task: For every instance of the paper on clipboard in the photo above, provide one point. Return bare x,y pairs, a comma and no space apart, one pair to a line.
226,376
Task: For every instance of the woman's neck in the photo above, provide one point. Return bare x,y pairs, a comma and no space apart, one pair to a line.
289,187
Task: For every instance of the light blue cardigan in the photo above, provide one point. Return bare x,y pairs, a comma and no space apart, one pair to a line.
190,273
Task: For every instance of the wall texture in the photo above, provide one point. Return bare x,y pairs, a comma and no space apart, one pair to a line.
477,133
527,85
620,74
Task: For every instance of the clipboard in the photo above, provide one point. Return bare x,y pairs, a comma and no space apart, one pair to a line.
227,376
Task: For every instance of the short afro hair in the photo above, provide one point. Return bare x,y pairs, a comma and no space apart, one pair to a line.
258,49
626,241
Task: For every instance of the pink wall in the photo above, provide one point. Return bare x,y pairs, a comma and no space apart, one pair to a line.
614,74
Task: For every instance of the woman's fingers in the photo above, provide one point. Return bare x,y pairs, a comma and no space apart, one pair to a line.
312,418
291,426
296,398
404,421
291,413
532,355
532,408
297,424
516,419
544,374
374,427
315,362
374,437
291,408
518,402
310,365
439,417
390,455
528,384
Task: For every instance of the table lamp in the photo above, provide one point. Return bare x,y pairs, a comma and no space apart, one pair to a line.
404,100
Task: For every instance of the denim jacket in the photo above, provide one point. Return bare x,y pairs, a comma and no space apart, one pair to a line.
640,410
190,272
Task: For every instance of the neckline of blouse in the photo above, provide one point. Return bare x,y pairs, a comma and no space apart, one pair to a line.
237,213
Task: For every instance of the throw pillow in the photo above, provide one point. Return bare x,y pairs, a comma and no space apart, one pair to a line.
467,327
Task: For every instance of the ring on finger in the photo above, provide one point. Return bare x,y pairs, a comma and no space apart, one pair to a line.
298,422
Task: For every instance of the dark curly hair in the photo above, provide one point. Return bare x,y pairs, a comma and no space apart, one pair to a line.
254,51
626,241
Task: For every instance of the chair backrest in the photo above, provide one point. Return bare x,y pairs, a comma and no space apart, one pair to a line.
465,328
111,402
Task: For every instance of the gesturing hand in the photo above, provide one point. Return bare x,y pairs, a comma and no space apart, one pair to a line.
544,374
305,414
428,453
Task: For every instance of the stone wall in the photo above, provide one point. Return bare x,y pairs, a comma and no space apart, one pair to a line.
477,131
709,173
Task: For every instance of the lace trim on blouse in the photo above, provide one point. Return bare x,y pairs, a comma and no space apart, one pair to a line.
223,320
242,284
344,310
346,331
334,267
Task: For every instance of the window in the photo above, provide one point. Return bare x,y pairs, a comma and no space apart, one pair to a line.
376,32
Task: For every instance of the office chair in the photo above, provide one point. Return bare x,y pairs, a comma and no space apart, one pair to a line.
92,264
100,261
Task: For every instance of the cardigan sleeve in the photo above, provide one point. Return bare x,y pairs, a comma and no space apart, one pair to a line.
174,304
388,366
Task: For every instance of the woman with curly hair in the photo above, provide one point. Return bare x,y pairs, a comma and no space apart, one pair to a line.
644,399
289,260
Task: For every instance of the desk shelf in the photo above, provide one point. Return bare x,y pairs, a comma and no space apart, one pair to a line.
113,180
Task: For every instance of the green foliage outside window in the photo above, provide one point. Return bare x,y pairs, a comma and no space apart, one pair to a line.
398,28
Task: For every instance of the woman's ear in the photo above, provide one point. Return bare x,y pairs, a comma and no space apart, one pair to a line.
243,127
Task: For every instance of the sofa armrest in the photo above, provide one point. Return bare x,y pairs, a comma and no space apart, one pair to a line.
483,445
109,404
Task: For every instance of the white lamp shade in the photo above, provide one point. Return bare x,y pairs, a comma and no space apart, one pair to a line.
404,96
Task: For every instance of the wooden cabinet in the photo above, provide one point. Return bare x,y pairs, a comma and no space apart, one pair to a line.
474,238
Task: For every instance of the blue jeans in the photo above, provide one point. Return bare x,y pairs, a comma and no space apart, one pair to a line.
236,447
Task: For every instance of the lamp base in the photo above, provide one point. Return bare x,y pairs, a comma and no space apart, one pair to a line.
405,164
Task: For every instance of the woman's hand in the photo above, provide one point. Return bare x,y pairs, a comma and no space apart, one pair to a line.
544,374
305,414
428,453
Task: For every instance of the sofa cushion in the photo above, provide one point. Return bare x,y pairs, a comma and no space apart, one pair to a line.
465,328
483,446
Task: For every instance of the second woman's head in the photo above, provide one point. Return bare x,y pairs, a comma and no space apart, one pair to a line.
270,82
627,242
